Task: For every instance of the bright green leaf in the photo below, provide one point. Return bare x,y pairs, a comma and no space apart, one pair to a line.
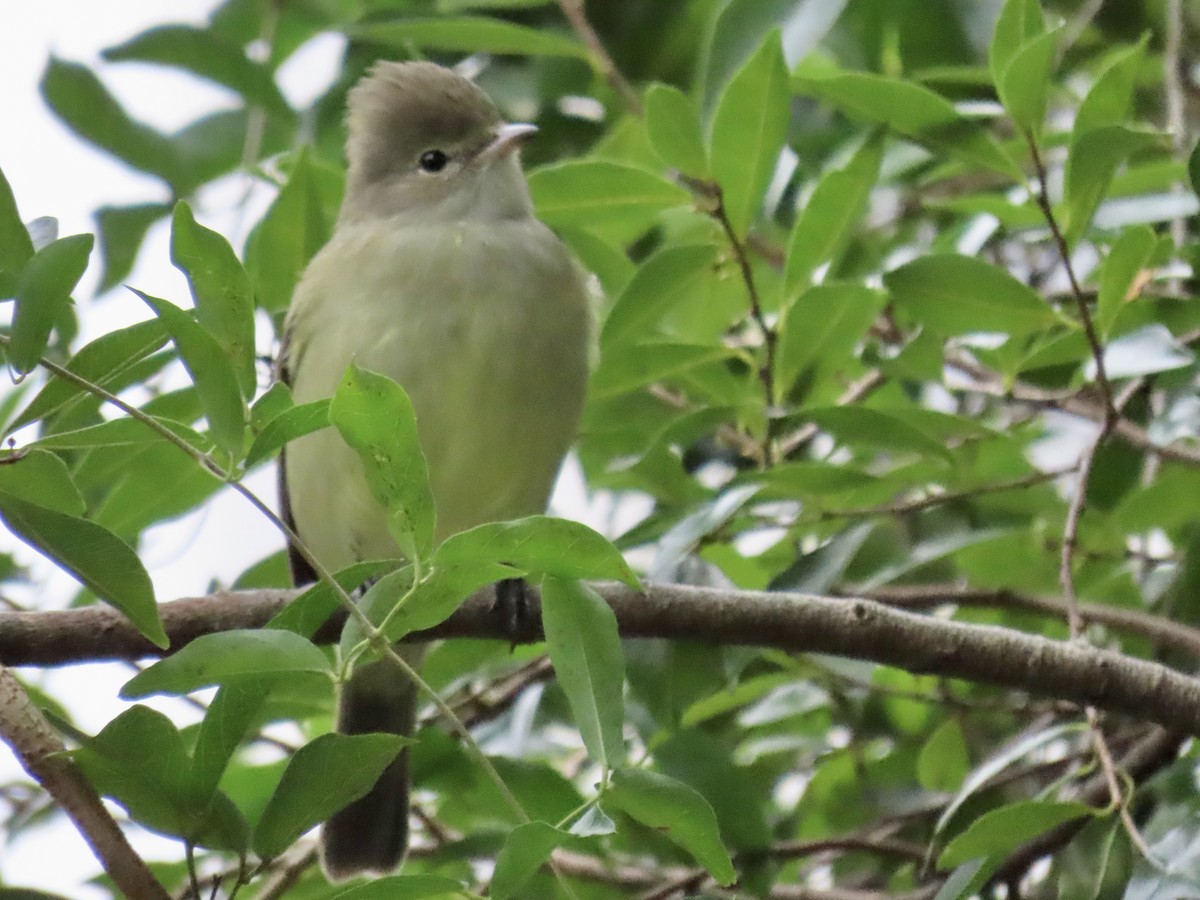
943,761
1025,83
1020,21
1120,273
585,648
674,810
92,554
41,477
825,323
211,370
214,659
376,418
290,424
749,129
469,34
599,193
1091,165
1108,101
674,128
667,280
525,849
220,289
43,292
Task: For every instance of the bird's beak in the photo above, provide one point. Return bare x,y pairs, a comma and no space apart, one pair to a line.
508,138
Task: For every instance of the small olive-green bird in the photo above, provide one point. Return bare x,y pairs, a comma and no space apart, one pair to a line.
439,276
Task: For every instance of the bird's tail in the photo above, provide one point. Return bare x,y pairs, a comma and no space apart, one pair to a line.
371,834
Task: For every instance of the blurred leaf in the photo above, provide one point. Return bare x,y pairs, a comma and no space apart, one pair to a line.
294,422
321,778
646,362
16,248
961,295
749,128
85,105
122,230
943,761
1026,81
415,887
43,293
376,418
873,428
205,53
585,648
525,849
216,659
1020,21
288,236
912,110
824,224
212,373
1107,103
93,555
1119,273
674,128
1097,863
1004,829
825,323
674,810
468,34
220,289
1093,160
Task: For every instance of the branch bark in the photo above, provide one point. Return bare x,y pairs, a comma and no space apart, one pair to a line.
857,628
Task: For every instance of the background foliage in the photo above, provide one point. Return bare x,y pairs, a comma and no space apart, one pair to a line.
897,305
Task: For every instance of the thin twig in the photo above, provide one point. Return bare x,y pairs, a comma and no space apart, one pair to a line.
574,13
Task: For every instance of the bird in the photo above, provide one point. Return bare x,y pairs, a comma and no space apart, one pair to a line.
438,275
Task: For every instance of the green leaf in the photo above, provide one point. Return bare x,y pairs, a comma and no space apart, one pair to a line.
469,34
376,418
43,292
123,432
217,659
321,778
674,128
1001,830
16,248
426,604
598,193
290,424
1091,165
1020,21
585,648
100,361
525,849
836,205
122,230
1119,272
410,887
212,372
220,289
955,294
915,112
674,810
1108,101
95,556
206,53
749,129
667,280
825,324
540,545
293,229
1026,81
646,362
85,105
873,428
943,761
228,718
40,477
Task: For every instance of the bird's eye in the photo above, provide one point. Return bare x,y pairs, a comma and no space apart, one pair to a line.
433,161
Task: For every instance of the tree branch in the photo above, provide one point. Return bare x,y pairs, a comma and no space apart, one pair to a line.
798,623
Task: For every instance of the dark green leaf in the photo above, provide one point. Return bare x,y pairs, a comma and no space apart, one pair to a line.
675,811
825,324
92,554
43,292
16,248
212,372
220,289
376,418
41,477
410,887
322,777
873,428
122,230
749,128
525,849
667,280
290,424
585,648
216,659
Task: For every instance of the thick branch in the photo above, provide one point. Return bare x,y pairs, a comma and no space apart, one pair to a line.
861,629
